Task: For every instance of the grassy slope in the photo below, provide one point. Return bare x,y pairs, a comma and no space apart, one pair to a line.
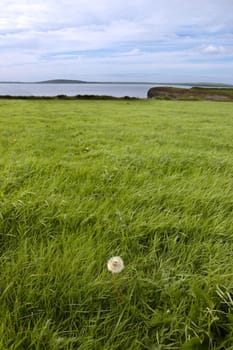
83,181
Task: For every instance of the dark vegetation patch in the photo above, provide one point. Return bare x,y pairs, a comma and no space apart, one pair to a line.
65,97
195,93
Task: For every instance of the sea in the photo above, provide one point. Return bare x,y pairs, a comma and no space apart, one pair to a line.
117,90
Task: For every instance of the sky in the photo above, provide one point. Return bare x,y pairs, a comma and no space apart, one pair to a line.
117,40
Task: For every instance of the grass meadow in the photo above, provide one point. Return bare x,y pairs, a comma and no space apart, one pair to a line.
82,181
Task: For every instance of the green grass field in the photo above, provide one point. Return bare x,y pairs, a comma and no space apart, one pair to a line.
82,181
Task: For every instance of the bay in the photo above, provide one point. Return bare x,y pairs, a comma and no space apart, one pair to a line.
116,90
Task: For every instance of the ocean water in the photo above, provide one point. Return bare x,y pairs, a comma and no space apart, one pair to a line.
116,90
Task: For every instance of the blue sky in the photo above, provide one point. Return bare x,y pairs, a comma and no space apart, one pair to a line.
120,40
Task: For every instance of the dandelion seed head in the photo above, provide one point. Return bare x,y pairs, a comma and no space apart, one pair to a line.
115,264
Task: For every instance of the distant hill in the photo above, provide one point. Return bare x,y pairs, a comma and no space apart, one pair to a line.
61,81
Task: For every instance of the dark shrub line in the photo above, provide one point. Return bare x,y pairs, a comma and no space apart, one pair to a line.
65,97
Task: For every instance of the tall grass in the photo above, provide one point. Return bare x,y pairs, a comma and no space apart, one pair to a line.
82,181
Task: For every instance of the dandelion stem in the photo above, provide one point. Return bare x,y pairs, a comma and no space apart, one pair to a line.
119,297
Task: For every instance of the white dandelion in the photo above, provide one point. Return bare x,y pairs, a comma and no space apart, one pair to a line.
115,264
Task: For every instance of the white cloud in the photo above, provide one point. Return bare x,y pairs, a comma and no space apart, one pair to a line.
213,50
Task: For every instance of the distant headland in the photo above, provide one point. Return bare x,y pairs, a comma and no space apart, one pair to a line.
61,81
52,81
194,93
